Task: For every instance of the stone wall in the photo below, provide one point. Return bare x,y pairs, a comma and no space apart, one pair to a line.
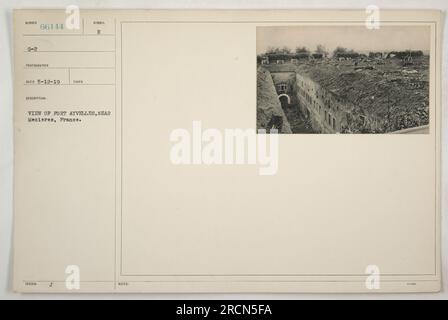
269,110
319,106
330,114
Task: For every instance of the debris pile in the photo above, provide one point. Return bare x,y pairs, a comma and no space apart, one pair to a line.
384,98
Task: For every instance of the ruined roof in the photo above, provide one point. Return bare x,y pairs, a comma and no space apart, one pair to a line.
375,88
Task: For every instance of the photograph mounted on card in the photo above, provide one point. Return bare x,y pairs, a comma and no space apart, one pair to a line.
227,151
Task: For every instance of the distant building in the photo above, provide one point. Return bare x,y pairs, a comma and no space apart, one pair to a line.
286,57
375,55
346,55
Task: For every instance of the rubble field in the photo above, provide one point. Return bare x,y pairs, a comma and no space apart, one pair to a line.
394,93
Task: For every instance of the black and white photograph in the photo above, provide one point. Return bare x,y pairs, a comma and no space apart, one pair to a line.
343,79
247,154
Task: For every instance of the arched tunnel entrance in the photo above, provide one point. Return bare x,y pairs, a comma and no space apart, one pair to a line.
285,85
285,100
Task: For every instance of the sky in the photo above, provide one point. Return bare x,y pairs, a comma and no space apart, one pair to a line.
358,38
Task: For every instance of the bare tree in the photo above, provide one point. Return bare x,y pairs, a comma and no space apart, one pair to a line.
322,50
302,50
286,50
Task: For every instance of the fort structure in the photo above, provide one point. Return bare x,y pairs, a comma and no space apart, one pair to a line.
356,96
